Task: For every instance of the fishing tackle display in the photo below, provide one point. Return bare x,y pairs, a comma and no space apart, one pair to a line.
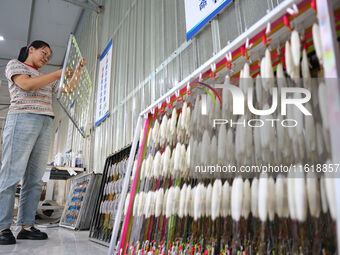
109,195
182,203
80,203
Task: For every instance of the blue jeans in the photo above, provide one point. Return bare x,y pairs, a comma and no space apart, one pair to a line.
26,143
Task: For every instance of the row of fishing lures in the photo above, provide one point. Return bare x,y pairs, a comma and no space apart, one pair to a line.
284,215
113,187
272,212
309,140
110,200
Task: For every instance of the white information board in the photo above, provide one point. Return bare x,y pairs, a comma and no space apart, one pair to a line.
200,12
104,78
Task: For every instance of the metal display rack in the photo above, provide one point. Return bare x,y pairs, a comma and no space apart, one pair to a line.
101,223
80,202
203,72
75,102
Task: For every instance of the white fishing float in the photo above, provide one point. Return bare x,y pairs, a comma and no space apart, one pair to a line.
187,206
319,139
166,162
170,202
142,172
156,166
296,46
281,78
257,143
192,202
149,141
254,189
305,70
310,131
187,122
182,201
184,114
135,165
205,147
263,197
248,81
263,68
172,164
213,151
127,201
291,196
141,203
298,116
173,123
177,196
165,202
246,199
147,205
153,203
236,198
148,166
225,205
317,42
177,159
141,135
289,59
198,201
230,147
222,145
155,133
159,202
268,74
179,132
187,161
240,140
226,99
216,199
135,205
279,195
300,195
267,131
182,165
208,195
258,89
163,129
330,190
324,203
271,198
313,194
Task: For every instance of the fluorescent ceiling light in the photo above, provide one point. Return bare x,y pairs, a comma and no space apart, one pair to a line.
1,38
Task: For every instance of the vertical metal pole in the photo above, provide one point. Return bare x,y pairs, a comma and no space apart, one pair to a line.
114,237
332,73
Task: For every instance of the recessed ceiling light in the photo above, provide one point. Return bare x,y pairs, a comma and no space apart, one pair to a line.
1,38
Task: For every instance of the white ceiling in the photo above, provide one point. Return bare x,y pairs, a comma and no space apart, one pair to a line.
23,21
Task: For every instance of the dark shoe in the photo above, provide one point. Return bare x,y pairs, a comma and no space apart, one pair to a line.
7,237
32,234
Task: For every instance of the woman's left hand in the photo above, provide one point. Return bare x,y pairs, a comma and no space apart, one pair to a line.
68,73
81,64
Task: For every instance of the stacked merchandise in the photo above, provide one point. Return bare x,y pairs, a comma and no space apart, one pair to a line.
80,202
109,195
180,206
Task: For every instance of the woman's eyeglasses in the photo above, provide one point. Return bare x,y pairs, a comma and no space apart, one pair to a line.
46,55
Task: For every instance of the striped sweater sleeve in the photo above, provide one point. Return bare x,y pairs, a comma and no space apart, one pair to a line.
15,67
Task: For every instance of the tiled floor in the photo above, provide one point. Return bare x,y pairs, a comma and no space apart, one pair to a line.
61,242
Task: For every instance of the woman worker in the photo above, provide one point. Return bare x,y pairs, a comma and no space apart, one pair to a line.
27,135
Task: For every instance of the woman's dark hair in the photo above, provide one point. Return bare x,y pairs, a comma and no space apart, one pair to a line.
35,44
